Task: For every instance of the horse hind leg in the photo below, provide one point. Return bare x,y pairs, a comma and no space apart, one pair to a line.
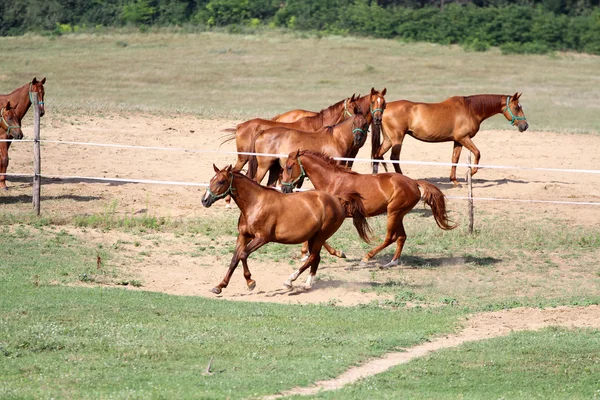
3,163
330,250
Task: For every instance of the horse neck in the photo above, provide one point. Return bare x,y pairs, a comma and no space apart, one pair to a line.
484,106
247,193
22,101
321,173
342,133
332,114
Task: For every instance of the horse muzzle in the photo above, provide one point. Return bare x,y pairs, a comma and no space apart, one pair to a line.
42,111
286,188
377,121
523,127
207,200
16,134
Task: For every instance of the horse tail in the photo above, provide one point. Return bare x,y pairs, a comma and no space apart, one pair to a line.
354,207
274,173
434,198
228,137
253,160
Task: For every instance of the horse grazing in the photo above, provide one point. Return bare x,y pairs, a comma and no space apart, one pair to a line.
455,119
246,131
390,193
10,128
267,215
20,101
336,141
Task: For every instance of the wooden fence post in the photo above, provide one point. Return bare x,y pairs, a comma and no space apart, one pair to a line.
470,193
37,167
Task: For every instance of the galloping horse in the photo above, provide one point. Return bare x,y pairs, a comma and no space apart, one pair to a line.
390,193
10,128
267,215
455,119
335,141
246,131
20,100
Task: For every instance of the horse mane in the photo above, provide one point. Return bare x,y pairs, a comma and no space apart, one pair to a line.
482,104
328,160
15,91
238,174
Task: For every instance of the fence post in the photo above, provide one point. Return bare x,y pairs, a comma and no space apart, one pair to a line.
470,194
37,167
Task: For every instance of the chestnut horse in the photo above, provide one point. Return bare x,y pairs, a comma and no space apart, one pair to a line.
10,128
390,193
335,141
267,215
20,100
455,119
374,102
246,131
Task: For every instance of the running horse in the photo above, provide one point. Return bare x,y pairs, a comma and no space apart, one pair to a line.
455,119
336,141
20,102
391,193
267,215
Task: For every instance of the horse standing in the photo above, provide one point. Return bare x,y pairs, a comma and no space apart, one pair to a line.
267,215
455,119
20,101
336,141
10,128
390,193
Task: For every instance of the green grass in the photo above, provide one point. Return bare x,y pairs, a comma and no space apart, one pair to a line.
58,341
219,75
552,364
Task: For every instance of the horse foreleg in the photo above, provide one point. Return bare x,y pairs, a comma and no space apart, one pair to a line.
455,156
385,146
395,156
468,143
3,162
254,245
235,260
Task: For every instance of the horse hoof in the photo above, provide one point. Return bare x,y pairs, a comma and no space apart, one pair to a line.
288,285
304,259
363,264
227,205
4,188
342,254
389,265
216,290
252,285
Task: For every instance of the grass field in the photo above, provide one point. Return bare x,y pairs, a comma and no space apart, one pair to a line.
68,331
236,76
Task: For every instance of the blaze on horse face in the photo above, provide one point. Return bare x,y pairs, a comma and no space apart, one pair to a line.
514,112
378,105
10,123
219,187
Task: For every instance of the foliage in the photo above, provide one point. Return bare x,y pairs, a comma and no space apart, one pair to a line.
534,27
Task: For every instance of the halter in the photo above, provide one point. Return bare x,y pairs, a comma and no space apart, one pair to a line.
301,176
514,117
8,127
363,133
41,103
346,109
375,110
230,190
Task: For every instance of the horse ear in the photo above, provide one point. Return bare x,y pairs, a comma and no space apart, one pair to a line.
43,80
373,90
515,96
217,170
297,153
228,168
34,81
519,95
383,91
7,106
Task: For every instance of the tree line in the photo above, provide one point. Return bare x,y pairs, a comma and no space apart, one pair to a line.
523,26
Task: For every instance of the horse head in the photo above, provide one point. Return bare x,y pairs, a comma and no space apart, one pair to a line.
293,174
219,187
9,122
38,87
360,127
514,112
377,105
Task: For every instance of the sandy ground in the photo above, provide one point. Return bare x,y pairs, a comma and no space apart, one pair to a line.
172,270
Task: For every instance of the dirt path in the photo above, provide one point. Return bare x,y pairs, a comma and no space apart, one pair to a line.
479,327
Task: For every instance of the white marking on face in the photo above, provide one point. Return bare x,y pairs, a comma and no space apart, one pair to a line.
206,194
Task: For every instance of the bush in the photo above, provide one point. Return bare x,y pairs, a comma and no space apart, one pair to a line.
525,48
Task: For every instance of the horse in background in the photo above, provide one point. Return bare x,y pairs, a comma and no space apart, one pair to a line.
455,119
19,100
390,193
336,141
10,128
267,215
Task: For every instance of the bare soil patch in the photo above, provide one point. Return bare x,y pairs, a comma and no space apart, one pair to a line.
172,270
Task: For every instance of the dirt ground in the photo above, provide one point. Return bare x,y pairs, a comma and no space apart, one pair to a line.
172,270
